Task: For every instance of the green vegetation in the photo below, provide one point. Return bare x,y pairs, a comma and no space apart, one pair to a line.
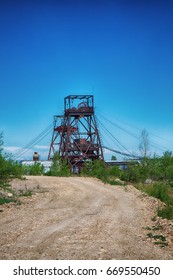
59,167
155,168
153,176
166,212
9,169
113,158
36,169
160,239
25,193
4,200
159,172
98,169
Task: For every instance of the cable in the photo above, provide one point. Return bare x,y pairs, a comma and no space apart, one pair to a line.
115,138
33,145
137,127
34,141
158,147
121,153
105,132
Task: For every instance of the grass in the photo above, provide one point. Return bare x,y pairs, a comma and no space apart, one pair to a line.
154,228
161,243
4,200
158,190
115,182
159,236
166,212
149,235
14,197
27,193
157,227
160,239
162,191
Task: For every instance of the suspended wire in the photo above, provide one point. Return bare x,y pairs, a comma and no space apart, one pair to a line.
47,130
35,141
122,153
162,138
23,151
115,138
33,145
30,147
106,133
115,151
101,134
125,130
122,121
105,140
157,146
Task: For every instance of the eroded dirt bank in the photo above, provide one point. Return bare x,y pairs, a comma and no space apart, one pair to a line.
81,218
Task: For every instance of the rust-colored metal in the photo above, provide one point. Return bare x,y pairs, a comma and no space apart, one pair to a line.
75,135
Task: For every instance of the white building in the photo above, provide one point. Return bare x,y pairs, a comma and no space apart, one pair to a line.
46,163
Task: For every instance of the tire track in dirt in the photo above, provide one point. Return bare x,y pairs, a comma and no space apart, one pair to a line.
79,218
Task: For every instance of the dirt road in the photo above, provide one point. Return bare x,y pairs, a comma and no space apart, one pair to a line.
80,218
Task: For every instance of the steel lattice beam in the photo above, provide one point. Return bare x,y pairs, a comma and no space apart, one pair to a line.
76,138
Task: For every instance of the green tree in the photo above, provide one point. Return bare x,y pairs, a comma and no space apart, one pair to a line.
59,167
36,169
8,168
95,168
113,158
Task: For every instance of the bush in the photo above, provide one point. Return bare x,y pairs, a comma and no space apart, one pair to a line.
156,168
36,169
95,168
4,200
98,169
59,167
113,171
166,212
9,169
160,191
133,174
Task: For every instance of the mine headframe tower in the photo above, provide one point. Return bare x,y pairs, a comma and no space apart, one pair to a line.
76,138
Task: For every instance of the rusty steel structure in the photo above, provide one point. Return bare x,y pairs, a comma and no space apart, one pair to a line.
75,135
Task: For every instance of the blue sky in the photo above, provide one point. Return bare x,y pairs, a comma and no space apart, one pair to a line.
119,51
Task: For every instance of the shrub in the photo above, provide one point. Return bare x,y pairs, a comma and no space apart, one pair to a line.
166,212
131,174
59,167
9,169
95,168
98,169
113,171
36,169
4,200
160,191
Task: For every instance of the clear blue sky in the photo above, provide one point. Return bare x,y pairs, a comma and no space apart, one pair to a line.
120,51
